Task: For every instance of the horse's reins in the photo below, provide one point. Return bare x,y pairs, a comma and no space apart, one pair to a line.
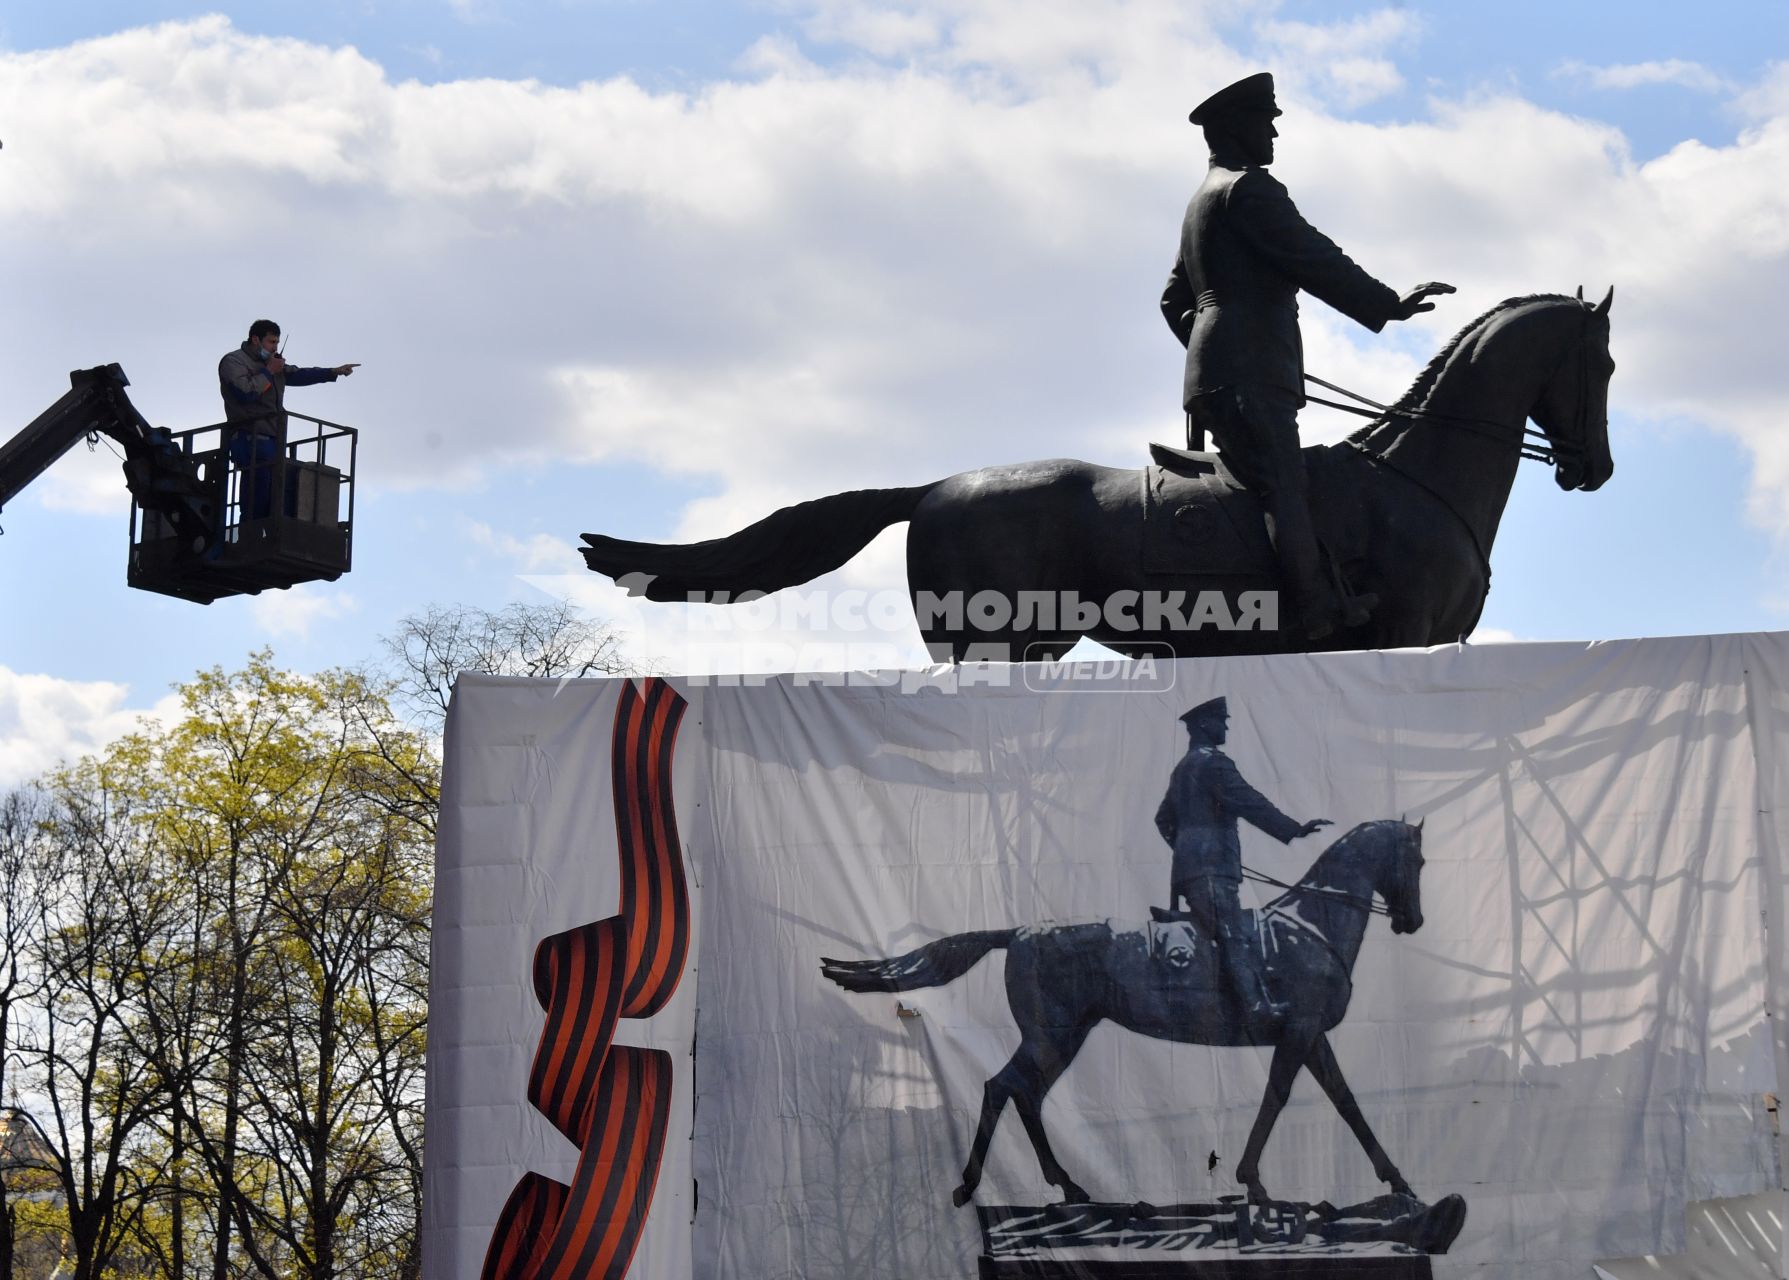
1538,449
1352,899
1546,450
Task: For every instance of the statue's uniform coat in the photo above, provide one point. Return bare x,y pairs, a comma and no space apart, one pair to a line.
1232,298
1206,797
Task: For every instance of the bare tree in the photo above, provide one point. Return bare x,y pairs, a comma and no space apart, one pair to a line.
97,934
543,641
23,890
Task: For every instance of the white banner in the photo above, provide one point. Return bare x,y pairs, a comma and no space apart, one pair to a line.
1546,1037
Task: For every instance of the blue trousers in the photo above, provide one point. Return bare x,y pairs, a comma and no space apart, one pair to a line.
262,451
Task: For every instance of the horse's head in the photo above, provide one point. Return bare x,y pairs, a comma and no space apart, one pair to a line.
1400,876
1573,406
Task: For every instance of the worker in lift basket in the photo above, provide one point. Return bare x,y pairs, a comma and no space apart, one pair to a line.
253,380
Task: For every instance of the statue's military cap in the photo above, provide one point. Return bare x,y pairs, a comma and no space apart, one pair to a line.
1214,709
1249,94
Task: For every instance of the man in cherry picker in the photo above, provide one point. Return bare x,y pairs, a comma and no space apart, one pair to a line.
253,380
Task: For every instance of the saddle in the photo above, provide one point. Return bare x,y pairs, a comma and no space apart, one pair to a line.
1174,941
1199,521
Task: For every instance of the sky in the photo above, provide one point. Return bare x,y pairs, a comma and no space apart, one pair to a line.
654,269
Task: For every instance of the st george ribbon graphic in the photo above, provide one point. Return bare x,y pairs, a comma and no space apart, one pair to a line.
612,1101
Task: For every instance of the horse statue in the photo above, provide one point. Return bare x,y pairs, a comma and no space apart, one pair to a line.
1062,980
1407,508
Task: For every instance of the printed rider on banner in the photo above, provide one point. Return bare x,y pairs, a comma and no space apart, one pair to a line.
1198,818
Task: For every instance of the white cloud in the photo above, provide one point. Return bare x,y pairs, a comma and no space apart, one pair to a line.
1769,98
1345,62
87,480
297,610
1635,75
537,553
45,720
883,31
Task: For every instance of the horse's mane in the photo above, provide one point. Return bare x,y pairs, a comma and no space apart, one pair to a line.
1347,845
1431,372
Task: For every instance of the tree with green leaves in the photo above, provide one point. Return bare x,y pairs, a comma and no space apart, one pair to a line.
214,945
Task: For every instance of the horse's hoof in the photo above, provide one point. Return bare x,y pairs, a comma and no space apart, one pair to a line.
1074,1193
961,1195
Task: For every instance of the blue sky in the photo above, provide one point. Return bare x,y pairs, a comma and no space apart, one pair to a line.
656,268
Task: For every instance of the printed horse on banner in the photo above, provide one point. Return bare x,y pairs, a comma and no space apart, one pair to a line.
1063,980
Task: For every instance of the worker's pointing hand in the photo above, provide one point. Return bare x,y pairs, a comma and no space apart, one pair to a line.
1413,302
1315,825
345,369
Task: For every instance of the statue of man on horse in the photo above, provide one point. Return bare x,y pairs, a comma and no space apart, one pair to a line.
1018,562
1232,300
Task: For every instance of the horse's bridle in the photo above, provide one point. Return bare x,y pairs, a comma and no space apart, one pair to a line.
1531,443
1367,903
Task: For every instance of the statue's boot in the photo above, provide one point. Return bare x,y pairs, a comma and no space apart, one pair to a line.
1321,616
1323,601
1331,607
1318,622
1357,609
1353,607
1249,981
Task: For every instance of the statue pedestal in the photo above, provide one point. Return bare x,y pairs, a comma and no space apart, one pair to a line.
1387,1238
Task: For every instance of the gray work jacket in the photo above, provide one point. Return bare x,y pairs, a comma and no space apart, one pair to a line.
255,397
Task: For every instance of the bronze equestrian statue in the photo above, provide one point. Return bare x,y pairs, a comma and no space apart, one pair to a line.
1232,300
1018,562
1409,506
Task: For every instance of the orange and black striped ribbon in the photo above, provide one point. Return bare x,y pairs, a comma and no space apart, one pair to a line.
612,1101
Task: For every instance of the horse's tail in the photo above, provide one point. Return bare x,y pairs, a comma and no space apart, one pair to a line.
932,965
793,545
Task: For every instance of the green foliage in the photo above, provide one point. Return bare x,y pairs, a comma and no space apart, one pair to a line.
223,1028
214,967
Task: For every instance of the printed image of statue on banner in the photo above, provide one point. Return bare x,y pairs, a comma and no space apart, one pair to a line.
1211,974
1378,965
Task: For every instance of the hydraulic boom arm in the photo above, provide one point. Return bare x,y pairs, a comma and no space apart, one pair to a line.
159,475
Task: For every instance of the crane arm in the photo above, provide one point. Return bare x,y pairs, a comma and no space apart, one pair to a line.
159,475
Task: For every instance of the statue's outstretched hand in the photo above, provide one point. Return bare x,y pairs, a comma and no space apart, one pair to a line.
1415,300
1315,825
